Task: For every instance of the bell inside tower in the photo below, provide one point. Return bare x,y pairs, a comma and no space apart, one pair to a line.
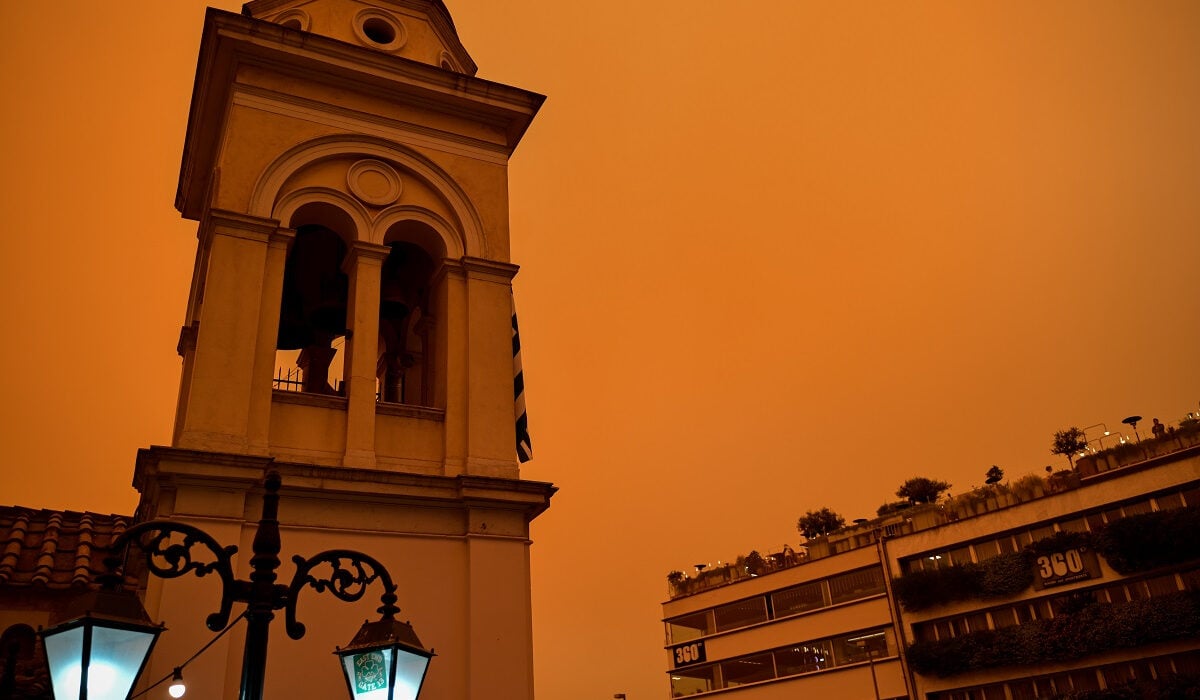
405,323
312,317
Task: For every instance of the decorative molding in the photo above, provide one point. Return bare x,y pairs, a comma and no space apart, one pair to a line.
363,178
353,121
469,236
403,410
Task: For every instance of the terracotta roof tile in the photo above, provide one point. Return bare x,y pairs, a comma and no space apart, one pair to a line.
54,549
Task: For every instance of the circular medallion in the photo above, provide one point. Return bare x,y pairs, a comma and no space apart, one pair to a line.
374,182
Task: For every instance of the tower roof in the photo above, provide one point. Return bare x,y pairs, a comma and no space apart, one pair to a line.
420,30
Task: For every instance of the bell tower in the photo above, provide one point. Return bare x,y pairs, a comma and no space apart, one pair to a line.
350,323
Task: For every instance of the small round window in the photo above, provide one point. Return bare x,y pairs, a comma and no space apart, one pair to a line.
293,19
379,30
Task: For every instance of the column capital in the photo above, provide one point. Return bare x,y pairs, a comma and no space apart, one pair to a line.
231,223
364,252
482,268
282,238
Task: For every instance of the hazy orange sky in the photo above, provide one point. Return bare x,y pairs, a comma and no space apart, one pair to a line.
775,256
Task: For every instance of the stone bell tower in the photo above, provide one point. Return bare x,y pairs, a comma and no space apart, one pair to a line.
349,325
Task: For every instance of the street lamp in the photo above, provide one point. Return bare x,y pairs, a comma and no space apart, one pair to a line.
384,661
100,651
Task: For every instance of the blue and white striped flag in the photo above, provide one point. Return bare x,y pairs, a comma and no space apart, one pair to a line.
524,446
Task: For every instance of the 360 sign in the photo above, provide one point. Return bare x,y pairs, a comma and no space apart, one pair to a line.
1066,566
688,654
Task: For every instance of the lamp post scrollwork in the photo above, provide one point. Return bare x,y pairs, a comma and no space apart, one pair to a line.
173,549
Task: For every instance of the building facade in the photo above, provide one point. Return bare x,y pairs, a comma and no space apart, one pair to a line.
1087,582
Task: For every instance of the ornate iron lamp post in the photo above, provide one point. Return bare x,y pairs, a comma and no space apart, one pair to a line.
387,657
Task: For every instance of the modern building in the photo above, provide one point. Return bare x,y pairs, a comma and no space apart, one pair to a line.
1043,588
348,174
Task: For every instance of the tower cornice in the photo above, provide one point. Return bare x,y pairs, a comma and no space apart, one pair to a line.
232,43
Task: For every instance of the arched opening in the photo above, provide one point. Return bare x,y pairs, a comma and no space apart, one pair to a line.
405,321
23,671
312,317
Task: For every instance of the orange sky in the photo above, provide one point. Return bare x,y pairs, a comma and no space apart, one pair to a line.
773,259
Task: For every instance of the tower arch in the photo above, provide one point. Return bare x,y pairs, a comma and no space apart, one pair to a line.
462,232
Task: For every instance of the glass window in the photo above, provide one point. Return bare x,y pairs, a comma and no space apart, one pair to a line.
994,691
803,658
855,648
1022,690
1187,663
689,681
977,622
1041,533
1004,617
1137,590
856,584
740,614
1073,525
1024,613
944,629
1112,515
1141,670
1024,539
1117,594
750,669
987,550
1162,585
1192,496
962,555
1136,508
924,633
798,599
1116,674
1044,686
1041,608
1191,580
1084,680
688,627
1095,521
1007,545
1169,501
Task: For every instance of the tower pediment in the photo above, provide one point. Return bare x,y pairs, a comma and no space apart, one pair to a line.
419,30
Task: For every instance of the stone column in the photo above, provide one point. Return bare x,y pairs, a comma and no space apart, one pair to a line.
259,430
364,265
215,397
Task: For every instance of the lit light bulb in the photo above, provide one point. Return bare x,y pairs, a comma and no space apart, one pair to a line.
177,688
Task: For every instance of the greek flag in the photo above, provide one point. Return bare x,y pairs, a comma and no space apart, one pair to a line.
524,447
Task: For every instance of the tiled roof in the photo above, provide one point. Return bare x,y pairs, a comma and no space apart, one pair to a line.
54,549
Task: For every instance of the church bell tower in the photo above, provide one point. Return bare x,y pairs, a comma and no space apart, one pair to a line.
350,326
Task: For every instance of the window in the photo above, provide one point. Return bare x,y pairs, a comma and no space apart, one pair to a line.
962,555
1004,617
690,627
740,614
1162,585
798,599
856,648
1169,501
750,669
1041,533
987,550
1136,508
1073,525
803,658
856,584
697,679
1006,545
